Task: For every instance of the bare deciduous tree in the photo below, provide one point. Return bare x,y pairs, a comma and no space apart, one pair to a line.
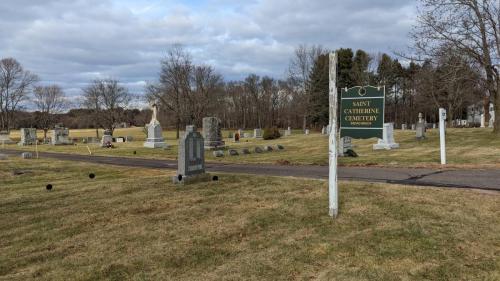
15,86
107,99
298,73
173,85
469,26
49,100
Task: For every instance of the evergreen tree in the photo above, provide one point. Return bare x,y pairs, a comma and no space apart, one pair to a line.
359,72
319,90
344,67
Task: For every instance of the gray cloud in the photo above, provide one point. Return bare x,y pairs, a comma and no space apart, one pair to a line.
73,42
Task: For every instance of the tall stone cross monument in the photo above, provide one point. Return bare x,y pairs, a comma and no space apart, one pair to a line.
155,134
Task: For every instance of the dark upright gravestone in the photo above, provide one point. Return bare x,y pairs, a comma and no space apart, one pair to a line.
212,133
191,162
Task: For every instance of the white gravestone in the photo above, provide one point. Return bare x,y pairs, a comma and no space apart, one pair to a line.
288,132
492,116
155,133
257,133
483,121
388,138
306,132
403,127
5,138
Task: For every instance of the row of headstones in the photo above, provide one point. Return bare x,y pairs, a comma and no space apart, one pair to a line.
211,132
59,136
257,149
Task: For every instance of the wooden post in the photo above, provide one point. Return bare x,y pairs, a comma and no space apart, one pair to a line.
332,141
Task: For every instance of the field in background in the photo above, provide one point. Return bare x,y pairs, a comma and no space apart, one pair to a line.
474,148
131,223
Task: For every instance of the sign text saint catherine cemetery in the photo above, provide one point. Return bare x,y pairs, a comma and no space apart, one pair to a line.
362,112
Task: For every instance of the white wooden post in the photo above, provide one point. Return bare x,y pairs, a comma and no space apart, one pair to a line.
442,137
332,141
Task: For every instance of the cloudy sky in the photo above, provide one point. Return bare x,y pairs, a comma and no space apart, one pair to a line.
71,42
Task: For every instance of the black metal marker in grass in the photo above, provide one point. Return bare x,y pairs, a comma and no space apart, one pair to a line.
49,187
91,175
215,178
135,152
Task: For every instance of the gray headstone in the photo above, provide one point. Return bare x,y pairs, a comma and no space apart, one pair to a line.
344,145
27,155
212,133
106,139
60,136
218,153
258,150
191,158
233,152
268,148
420,127
28,136
245,151
247,135
280,147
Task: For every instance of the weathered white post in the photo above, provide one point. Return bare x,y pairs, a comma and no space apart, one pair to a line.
332,141
442,137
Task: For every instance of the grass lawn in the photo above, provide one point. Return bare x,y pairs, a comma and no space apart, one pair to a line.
475,148
131,223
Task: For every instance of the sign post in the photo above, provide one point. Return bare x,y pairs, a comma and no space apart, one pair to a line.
442,136
332,140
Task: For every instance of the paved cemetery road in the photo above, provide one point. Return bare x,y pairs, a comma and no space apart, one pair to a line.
487,179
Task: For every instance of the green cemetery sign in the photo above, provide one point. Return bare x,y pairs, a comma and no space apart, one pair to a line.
362,112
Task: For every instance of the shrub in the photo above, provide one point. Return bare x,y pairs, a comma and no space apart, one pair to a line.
271,134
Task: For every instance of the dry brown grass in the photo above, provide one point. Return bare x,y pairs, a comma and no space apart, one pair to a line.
466,148
131,223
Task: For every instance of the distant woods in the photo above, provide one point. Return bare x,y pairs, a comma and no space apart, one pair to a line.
187,92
